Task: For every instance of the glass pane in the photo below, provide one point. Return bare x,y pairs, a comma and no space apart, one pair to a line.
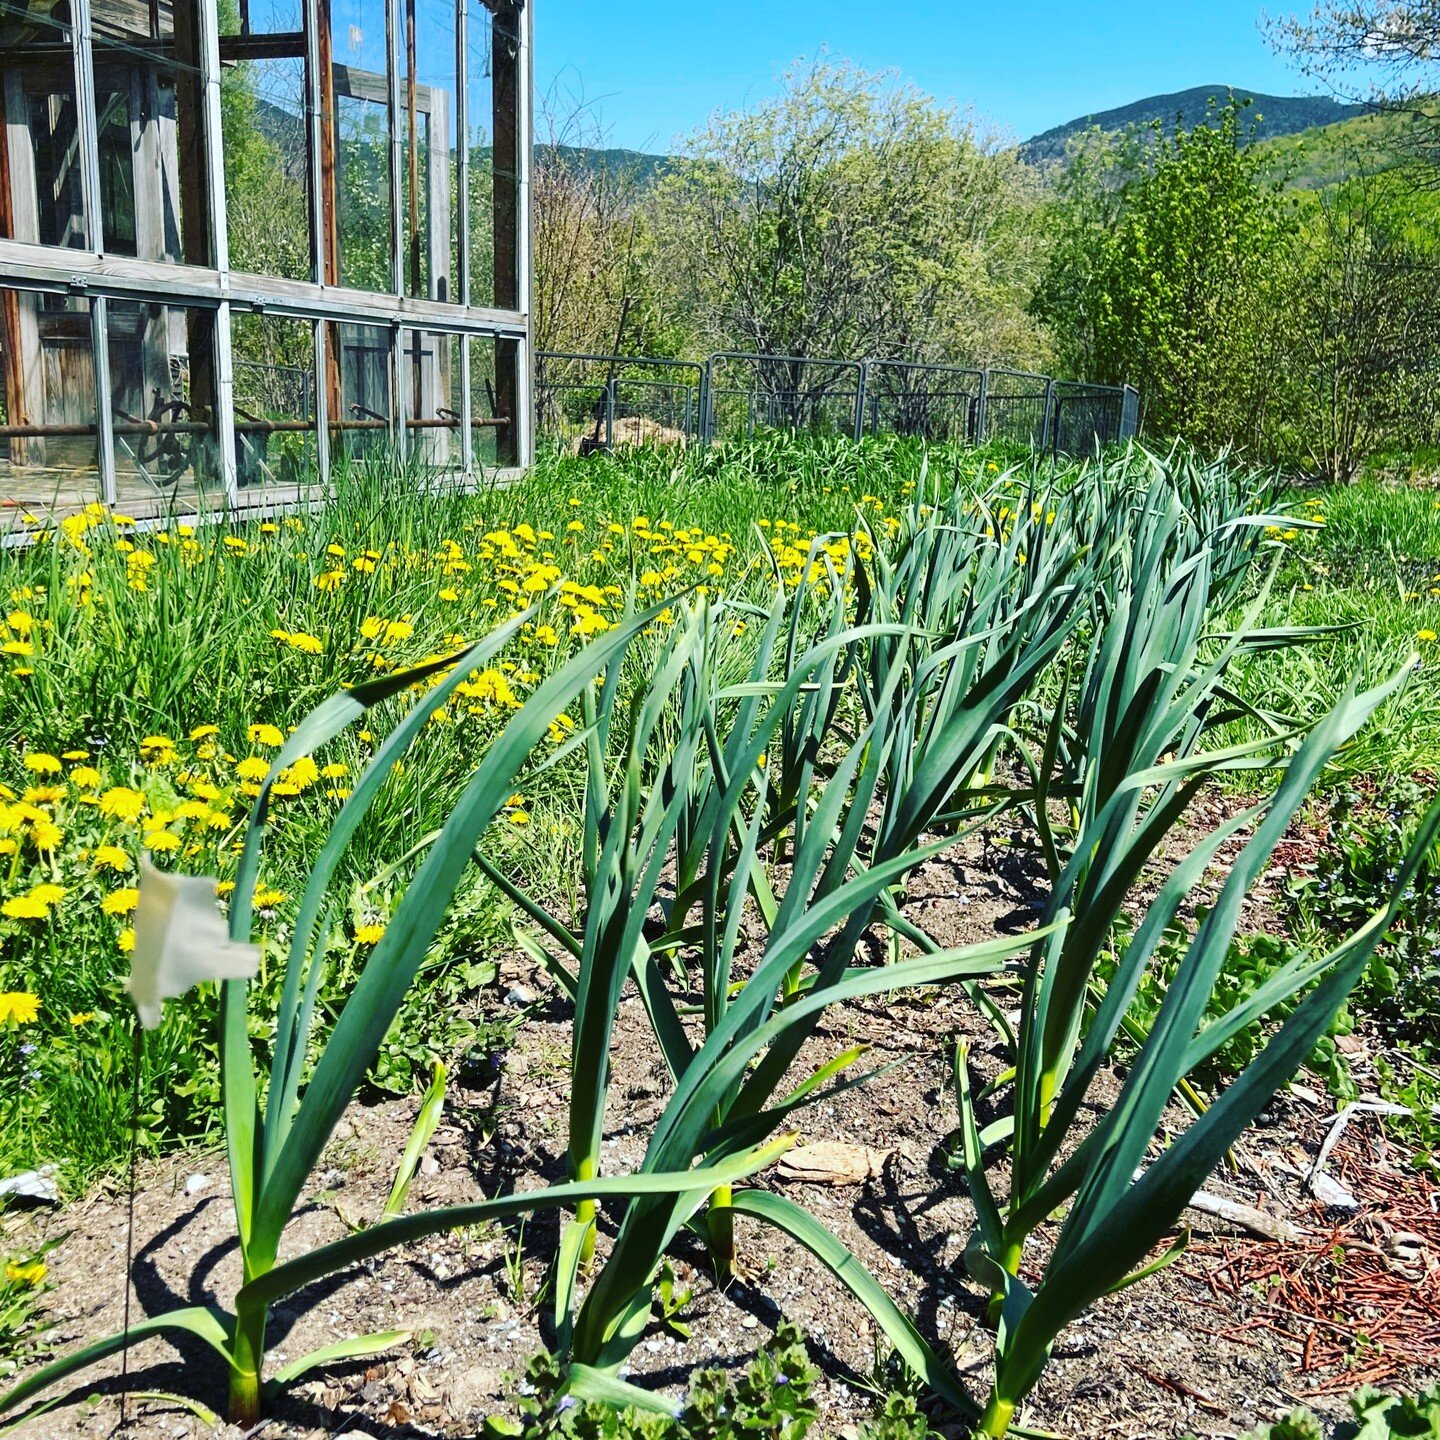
427,134
274,401
37,88
363,420
490,117
162,402
262,17
267,167
493,381
47,449
359,96
432,398
152,156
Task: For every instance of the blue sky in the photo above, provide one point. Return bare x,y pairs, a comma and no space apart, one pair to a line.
657,70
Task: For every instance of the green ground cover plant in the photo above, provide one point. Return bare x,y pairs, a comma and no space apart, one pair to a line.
1376,1417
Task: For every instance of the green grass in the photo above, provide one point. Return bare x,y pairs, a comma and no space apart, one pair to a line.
1374,568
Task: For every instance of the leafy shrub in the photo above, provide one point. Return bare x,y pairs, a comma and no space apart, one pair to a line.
898,1418
1367,837
1377,1417
774,1396
1251,962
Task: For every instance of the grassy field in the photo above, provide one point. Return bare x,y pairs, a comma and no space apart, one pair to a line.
151,678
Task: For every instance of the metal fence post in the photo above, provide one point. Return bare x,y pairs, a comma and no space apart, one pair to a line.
862,384
1130,413
104,416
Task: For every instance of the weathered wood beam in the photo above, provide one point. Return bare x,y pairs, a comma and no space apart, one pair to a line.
505,99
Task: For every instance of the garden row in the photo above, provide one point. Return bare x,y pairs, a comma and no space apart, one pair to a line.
759,745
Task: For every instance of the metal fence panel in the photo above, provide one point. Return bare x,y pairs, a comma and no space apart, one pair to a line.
1017,406
801,394
934,402
1130,414
596,402
1086,418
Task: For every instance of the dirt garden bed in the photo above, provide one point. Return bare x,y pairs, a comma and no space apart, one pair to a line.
1209,1347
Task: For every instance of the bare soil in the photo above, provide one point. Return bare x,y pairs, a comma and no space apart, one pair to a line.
1185,1353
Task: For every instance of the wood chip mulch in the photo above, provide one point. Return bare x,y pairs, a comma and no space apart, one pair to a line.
1357,1300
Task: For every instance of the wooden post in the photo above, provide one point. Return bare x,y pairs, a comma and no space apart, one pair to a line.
505,150
195,212
412,141
16,412
328,208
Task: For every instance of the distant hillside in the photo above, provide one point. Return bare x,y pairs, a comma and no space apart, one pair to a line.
1272,115
1328,154
642,168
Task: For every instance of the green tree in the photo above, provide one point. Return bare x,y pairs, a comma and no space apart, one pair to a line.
1082,209
850,216
1362,330
1183,289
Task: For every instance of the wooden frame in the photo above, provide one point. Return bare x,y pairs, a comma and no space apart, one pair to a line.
199,278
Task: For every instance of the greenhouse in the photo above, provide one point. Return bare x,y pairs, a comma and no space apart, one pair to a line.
245,241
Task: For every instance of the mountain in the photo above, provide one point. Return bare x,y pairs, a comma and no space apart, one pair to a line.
639,167
1271,115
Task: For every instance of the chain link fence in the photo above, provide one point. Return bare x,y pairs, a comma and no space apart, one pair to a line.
599,402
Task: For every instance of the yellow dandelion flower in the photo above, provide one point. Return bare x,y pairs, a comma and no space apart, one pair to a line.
368,934
121,902
122,803
110,857
303,773
306,644
19,1007
265,735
